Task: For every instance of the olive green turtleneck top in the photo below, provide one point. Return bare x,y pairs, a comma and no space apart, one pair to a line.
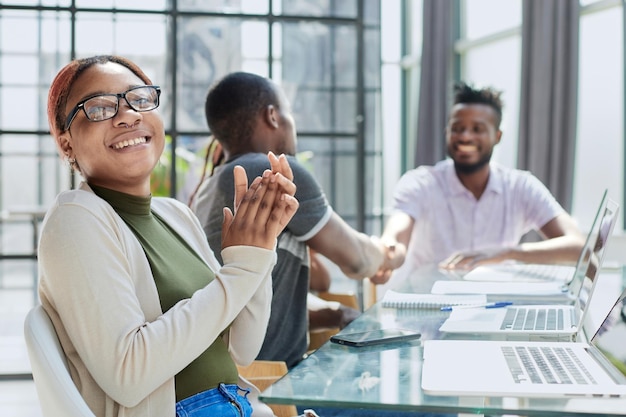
178,272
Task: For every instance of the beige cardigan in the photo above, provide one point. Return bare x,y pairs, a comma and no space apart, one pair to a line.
96,285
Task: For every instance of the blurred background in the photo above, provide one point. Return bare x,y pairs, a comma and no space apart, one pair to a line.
369,82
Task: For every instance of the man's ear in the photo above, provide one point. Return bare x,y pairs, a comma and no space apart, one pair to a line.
498,136
271,116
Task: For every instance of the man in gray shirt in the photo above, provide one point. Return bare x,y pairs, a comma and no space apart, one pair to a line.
250,117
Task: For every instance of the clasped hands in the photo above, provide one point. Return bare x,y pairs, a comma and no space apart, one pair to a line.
393,257
263,209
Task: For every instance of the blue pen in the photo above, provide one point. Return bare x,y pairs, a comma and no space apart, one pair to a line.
495,304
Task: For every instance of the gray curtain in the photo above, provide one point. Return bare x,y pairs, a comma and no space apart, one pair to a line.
548,99
435,75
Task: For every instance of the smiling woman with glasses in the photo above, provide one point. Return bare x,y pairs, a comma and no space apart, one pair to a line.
151,323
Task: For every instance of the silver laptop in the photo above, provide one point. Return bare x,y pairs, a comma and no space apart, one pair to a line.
549,291
560,321
531,369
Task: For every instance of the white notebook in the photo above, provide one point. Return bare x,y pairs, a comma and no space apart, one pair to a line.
412,300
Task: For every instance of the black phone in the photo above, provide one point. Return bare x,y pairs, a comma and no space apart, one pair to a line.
375,337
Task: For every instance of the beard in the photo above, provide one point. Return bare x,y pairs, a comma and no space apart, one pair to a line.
470,168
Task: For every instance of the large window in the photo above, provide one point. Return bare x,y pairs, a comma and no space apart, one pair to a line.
350,69
600,147
326,55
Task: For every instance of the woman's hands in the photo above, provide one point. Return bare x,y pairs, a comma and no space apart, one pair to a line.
264,209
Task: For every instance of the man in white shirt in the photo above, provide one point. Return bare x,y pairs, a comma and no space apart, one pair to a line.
466,210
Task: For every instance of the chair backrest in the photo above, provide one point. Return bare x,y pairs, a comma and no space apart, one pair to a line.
58,395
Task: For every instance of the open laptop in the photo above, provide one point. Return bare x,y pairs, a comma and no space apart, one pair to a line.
546,290
531,369
544,320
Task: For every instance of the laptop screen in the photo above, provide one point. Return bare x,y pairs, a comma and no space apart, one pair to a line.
609,338
602,234
602,230
590,320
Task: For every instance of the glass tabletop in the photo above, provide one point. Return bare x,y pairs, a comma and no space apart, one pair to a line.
389,376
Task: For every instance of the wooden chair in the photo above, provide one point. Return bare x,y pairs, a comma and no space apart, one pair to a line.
265,373
318,337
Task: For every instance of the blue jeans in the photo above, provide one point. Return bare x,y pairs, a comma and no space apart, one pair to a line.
224,400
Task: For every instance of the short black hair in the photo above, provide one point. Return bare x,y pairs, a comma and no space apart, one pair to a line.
467,94
232,105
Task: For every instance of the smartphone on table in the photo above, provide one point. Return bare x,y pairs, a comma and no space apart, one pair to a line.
375,337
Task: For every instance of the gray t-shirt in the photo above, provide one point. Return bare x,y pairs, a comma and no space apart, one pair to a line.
286,337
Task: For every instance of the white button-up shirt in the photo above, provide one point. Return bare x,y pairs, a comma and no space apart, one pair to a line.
448,218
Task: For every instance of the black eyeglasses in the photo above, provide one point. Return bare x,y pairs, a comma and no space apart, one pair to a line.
105,106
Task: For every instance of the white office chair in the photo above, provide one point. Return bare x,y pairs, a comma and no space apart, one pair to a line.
58,396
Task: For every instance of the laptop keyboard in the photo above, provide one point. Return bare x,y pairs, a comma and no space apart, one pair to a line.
545,365
533,319
545,272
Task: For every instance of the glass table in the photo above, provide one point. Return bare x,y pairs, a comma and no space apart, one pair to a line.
388,377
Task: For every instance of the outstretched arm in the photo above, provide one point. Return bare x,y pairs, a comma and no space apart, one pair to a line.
357,254
562,243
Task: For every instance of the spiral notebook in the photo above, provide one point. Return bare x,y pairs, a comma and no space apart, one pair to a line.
412,300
